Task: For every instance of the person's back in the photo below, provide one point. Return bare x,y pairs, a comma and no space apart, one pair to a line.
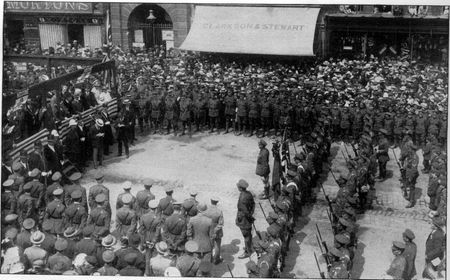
158,265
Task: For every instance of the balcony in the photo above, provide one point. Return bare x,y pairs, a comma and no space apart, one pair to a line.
390,11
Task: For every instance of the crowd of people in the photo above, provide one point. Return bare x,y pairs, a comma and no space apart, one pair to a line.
371,105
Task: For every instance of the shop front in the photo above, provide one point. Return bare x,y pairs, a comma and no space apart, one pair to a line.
45,24
414,37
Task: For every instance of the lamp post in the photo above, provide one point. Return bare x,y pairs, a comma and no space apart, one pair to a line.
151,19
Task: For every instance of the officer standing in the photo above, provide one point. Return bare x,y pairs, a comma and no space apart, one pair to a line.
126,219
75,214
127,188
382,154
263,168
99,217
143,197
97,189
410,254
397,268
244,218
216,215
54,213
174,229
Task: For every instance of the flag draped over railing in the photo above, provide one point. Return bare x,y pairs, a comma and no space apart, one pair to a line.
285,155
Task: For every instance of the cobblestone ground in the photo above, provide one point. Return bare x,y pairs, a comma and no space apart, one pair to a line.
212,164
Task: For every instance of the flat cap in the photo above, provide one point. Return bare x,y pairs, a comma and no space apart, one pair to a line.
34,173
56,176
8,183
149,182
76,194
409,234
108,256
61,244
242,184
75,176
399,245
99,176
28,223
58,191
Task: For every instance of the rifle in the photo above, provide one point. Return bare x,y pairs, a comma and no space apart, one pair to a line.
260,206
322,274
270,202
324,244
257,232
346,151
354,149
329,204
346,160
331,218
229,269
334,177
396,160
321,250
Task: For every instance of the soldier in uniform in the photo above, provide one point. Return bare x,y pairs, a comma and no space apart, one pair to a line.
244,218
37,189
9,201
58,262
435,244
213,112
230,112
345,124
200,229
130,245
397,268
143,100
165,205
190,205
127,188
86,245
126,218
410,254
262,167
108,269
383,154
253,115
216,215
56,178
54,213
130,269
150,231
411,175
266,261
122,127
242,112
169,115
23,238
188,264
69,189
143,197
157,107
185,114
200,106
266,108
389,127
421,128
75,214
26,205
338,269
398,128
99,217
174,229
97,189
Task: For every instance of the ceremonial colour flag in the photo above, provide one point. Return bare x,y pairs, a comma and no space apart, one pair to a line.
108,27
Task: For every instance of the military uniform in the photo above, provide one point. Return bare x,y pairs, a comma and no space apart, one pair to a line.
200,107
59,262
185,113
75,216
120,204
253,115
96,190
26,206
383,156
100,219
126,221
230,111
244,217
174,232
69,189
169,115
156,112
213,112
54,214
165,207
142,199
216,216
242,113
200,229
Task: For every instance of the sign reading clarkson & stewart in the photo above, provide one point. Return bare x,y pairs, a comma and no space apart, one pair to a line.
47,7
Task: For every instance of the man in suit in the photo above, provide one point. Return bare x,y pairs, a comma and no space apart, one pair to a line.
36,158
52,156
72,145
200,229
244,218
96,135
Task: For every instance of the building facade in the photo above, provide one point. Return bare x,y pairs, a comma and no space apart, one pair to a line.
44,24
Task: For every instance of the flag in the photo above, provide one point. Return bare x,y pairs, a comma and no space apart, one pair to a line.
108,27
285,156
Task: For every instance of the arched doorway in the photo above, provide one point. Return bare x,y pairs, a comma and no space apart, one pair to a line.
147,31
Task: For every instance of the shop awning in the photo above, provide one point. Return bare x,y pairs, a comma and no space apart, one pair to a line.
253,30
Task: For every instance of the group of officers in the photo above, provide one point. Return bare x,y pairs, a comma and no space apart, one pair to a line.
57,227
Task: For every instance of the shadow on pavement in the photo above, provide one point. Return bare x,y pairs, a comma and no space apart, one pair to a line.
291,257
227,252
358,260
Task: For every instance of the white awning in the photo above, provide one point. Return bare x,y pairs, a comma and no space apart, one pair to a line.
253,30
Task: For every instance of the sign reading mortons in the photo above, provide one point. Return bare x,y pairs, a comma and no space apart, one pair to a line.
47,7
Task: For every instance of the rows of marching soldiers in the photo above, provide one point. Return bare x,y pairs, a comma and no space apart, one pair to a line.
63,229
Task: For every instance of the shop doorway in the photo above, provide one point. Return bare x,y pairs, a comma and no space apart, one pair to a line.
14,34
75,32
145,30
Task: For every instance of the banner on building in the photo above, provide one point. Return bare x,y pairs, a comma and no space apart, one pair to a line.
253,30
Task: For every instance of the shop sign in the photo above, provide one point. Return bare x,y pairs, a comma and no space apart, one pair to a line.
47,7
167,35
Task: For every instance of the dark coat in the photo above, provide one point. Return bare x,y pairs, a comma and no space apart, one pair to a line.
53,159
435,245
262,163
246,207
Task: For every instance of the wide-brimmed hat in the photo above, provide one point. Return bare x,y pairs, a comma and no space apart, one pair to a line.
37,237
109,240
